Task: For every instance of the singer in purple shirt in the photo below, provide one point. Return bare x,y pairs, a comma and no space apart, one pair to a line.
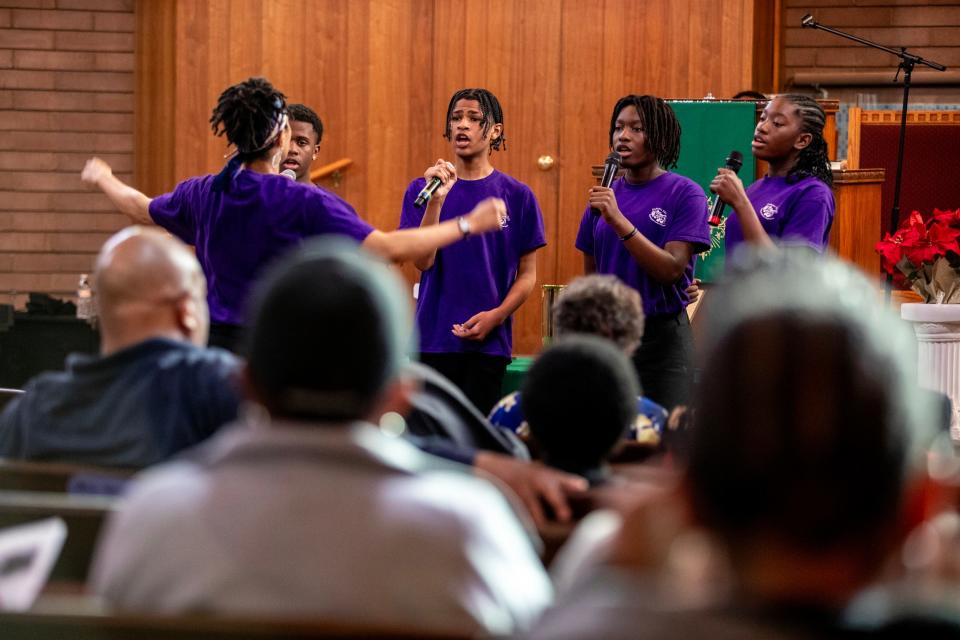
247,215
650,226
469,291
794,202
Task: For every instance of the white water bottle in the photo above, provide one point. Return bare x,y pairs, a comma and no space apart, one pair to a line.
85,310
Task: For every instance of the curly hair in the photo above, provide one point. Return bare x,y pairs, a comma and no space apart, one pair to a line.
601,305
813,159
489,107
660,125
303,113
248,114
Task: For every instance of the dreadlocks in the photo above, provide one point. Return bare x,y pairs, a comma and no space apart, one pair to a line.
660,126
303,113
812,160
248,113
489,107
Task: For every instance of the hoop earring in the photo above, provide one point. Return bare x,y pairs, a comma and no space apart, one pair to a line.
275,160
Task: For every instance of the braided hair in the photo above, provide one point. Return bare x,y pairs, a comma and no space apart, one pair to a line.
303,113
489,107
813,159
248,113
660,126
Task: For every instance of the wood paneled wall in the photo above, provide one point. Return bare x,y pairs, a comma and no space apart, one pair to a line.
380,74
929,28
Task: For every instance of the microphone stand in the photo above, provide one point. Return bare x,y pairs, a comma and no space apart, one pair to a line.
907,62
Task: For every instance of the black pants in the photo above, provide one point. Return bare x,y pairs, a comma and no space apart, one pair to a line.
664,361
225,336
479,375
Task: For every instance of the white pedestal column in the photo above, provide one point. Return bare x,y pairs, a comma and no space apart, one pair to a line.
937,327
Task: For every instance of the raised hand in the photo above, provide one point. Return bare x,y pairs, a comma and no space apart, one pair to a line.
94,170
488,215
728,187
447,174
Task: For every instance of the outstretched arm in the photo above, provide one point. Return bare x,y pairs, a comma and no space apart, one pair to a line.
411,244
534,483
128,200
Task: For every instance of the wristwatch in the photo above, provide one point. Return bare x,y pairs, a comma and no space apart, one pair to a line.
464,225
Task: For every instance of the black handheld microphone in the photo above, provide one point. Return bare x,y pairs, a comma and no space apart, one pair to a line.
610,168
427,192
734,162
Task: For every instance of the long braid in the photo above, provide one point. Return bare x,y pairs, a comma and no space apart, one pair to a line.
489,107
660,126
813,159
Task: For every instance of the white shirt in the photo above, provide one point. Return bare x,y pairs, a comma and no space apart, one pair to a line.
340,523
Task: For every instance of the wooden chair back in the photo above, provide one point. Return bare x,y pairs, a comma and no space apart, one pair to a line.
83,515
55,477
82,618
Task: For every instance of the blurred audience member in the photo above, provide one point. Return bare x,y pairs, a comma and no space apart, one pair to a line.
308,509
805,472
153,390
599,305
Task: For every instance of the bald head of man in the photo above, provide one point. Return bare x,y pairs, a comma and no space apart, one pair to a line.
149,285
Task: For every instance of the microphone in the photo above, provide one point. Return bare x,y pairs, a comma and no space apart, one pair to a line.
610,168
290,173
427,192
734,162
807,22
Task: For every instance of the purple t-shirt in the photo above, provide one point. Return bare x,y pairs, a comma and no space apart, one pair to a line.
238,231
474,274
666,209
801,212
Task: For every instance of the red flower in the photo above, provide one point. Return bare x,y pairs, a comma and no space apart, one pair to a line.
920,242
890,252
950,218
944,237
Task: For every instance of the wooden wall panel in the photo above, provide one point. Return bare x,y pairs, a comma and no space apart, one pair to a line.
511,47
155,95
929,28
380,73
674,49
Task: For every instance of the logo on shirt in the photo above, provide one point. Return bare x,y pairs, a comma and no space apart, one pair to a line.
769,211
659,216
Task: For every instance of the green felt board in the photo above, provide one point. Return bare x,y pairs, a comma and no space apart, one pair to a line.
710,130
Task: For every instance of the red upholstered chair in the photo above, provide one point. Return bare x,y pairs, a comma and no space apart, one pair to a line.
931,169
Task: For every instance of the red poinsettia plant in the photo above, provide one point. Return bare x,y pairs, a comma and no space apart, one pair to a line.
924,255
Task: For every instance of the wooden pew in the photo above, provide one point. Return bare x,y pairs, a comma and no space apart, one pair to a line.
81,618
84,517
22,475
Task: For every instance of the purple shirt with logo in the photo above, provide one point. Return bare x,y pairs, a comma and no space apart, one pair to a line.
666,209
237,232
801,212
476,273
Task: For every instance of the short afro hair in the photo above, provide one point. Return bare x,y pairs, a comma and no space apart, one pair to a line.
579,399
